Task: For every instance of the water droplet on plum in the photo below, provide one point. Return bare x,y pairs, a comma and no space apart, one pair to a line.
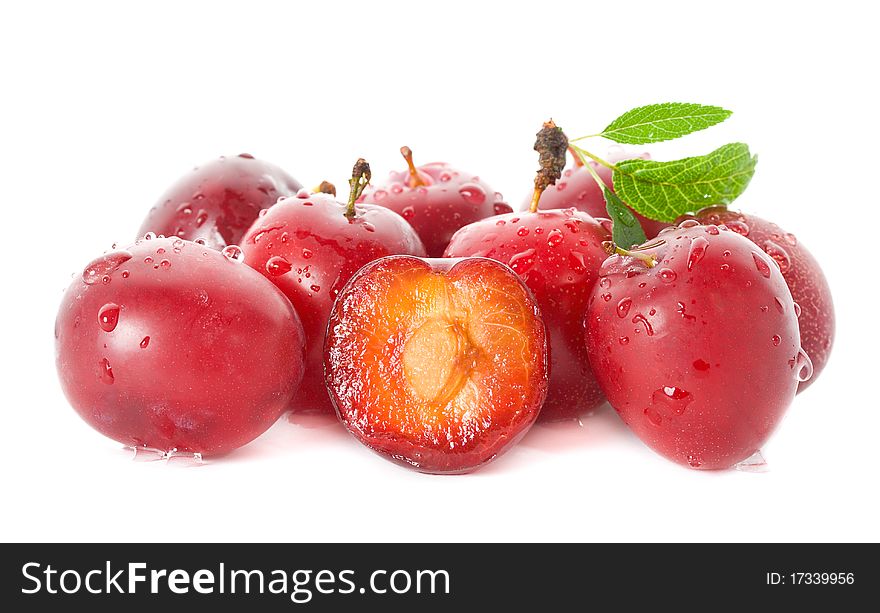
761,265
277,266
104,265
473,194
779,255
233,253
522,261
667,275
697,251
623,307
105,372
555,237
108,316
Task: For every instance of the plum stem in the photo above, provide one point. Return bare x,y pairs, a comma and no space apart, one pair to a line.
325,188
360,178
415,178
649,259
551,145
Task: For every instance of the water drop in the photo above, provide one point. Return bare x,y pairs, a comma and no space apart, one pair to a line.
576,261
396,188
623,340
149,236
713,230
779,255
125,274
369,227
474,194
680,309
755,463
694,460
201,218
523,231
315,288
605,282
791,239
408,212
165,264
554,237
104,265
797,310
200,241
233,253
262,212
672,398
145,342
307,253
148,260
701,365
653,416
761,265
776,339
689,223
606,297
501,208
740,227
697,251
108,316
303,193
667,275
561,186
284,237
623,307
641,319
803,366
500,222
105,372
573,224
445,177
277,266
522,261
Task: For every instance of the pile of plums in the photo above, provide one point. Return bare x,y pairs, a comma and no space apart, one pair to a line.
436,322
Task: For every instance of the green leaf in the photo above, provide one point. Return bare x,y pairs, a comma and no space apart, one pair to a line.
659,122
665,190
626,229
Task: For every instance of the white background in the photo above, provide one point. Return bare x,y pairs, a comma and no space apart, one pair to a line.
104,105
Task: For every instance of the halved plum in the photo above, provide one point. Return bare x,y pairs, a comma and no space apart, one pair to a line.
438,364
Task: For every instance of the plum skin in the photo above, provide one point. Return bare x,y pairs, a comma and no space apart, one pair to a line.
218,201
453,448
196,353
699,355
566,253
801,271
308,248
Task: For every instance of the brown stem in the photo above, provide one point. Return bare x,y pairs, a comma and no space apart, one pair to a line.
325,188
360,178
415,178
551,145
578,162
